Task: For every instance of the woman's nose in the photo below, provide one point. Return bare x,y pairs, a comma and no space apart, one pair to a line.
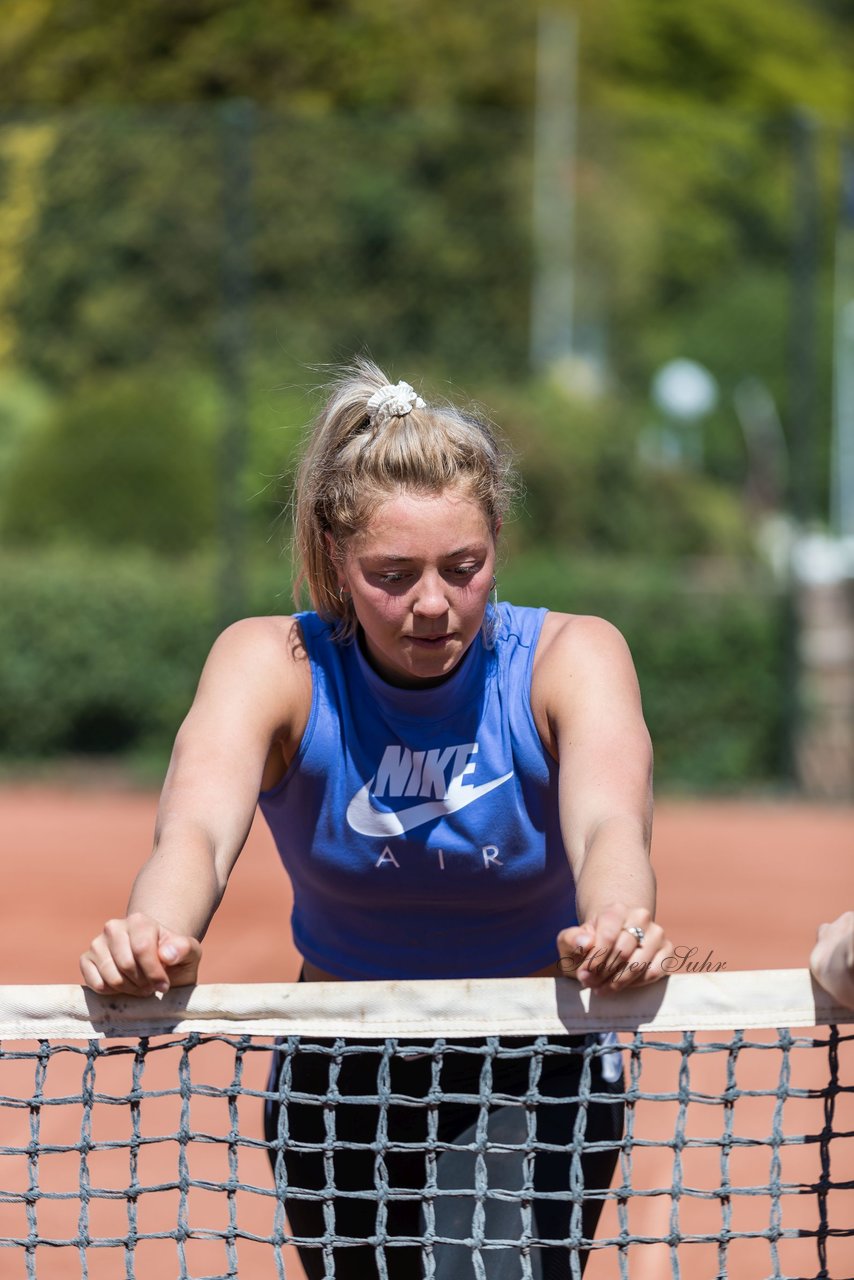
430,598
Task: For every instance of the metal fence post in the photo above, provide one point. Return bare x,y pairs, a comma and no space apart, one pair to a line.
803,334
236,123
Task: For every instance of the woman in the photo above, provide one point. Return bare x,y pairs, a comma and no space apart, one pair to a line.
457,789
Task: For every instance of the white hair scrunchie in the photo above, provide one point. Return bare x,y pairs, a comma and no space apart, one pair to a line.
393,402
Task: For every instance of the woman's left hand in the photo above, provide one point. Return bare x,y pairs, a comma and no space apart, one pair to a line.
619,947
832,958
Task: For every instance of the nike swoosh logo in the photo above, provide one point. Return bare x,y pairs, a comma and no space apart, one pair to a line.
368,821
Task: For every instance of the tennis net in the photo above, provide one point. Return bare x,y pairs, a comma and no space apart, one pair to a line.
442,1130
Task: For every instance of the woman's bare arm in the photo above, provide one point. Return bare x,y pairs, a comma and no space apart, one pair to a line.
250,707
587,694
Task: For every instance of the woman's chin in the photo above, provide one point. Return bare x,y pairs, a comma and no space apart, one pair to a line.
421,660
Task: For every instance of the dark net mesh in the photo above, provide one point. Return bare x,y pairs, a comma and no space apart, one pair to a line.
682,1154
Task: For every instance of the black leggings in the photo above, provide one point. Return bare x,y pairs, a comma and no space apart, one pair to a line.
460,1074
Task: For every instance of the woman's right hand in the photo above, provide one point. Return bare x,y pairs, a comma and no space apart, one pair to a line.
138,956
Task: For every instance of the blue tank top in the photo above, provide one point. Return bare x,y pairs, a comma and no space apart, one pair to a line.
419,827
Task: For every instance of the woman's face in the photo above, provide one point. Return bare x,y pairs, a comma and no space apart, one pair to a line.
420,575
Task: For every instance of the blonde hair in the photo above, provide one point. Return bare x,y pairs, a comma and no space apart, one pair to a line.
353,460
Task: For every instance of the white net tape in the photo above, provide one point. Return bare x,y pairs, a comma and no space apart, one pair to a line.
469,1007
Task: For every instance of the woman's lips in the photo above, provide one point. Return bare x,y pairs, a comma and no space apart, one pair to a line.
431,642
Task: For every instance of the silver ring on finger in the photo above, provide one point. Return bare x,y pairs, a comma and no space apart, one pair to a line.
636,932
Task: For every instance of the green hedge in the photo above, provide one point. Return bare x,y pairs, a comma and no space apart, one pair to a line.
126,462
97,655
711,660
103,654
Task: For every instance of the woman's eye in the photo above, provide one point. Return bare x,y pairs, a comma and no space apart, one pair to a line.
396,578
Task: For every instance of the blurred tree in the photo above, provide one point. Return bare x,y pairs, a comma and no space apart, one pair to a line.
316,54
23,153
391,184
586,488
124,463
394,54
363,236
740,54
124,264
25,407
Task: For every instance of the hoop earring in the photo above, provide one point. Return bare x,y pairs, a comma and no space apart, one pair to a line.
344,596
491,618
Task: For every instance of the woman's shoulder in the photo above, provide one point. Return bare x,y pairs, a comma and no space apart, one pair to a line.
579,629
260,650
553,634
579,642
262,637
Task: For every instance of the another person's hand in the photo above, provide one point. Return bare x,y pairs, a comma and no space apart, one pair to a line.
605,955
137,956
832,959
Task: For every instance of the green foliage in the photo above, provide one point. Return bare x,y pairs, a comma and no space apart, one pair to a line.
376,243
127,461
392,220
97,654
385,173
393,54
352,54
25,406
104,654
743,327
751,55
130,461
125,266
586,488
711,662
388,152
